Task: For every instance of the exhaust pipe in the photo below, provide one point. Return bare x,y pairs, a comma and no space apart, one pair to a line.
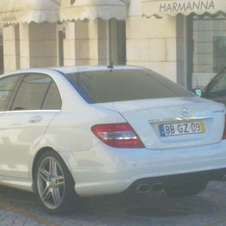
157,187
143,188
224,178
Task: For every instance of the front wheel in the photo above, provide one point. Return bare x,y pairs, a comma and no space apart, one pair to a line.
54,184
186,188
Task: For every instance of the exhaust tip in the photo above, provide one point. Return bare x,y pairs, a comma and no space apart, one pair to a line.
157,187
224,178
143,188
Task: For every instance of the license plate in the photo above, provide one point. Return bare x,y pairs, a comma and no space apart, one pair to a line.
181,128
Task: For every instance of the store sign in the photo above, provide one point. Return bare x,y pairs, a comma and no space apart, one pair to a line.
186,7
8,18
5,17
178,6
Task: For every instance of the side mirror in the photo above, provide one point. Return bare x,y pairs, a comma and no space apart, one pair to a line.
198,92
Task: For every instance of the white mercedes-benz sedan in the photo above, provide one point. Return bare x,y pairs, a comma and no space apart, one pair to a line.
71,132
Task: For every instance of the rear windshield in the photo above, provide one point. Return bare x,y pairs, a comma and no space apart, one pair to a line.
122,85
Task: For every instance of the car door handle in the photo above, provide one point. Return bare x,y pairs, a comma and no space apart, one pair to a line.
35,119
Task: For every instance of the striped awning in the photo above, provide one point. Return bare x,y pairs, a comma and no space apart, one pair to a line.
92,9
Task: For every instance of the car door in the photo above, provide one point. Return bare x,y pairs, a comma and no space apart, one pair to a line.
7,89
216,89
35,103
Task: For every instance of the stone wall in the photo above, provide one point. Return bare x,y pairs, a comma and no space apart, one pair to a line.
151,42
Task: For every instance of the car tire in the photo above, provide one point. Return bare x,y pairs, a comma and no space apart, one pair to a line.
54,184
185,188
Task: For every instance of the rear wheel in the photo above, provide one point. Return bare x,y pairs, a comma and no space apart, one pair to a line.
54,184
185,188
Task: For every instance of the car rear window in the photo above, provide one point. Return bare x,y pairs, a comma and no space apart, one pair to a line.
122,85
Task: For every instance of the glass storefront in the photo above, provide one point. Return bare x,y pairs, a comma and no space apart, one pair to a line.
209,48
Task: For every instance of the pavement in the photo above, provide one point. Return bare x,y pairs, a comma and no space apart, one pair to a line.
19,208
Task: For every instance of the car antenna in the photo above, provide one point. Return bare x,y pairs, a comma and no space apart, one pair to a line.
111,66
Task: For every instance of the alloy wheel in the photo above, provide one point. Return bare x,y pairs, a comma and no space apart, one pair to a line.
50,182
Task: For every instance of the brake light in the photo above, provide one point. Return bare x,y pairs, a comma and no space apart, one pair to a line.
224,133
118,135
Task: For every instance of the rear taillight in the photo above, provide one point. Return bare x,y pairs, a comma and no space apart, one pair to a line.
118,135
224,134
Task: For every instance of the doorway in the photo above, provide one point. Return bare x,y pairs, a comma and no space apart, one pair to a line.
1,53
60,44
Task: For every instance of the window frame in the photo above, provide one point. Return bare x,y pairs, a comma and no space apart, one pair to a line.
17,88
208,91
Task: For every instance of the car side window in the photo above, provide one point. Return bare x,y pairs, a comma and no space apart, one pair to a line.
7,87
217,86
52,98
37,91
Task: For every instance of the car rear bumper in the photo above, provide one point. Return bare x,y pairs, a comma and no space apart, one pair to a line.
104,170
157,183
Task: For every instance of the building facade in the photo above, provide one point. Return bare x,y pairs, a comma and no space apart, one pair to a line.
185,40
188,37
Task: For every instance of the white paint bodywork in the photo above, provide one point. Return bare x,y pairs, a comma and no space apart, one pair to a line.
97,168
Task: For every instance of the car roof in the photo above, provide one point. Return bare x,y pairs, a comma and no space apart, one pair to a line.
74,69
71,69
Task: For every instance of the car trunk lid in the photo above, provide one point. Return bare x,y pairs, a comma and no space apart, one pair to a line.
173,122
